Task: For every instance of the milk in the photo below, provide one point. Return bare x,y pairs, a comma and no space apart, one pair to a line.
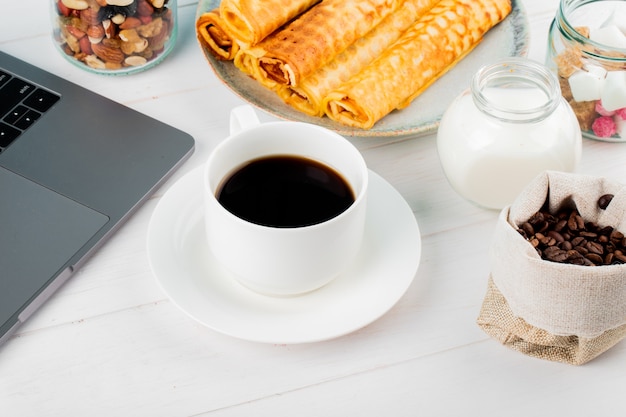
489,161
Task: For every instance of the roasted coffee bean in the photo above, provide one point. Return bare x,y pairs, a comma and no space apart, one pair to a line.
560,225
566,237
595,258
594,247
603,202
555,254
572,224
528,229
556,236
616,237
588,235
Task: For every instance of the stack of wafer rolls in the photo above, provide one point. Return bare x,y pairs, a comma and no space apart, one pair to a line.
423,54
293,53
308,95
354,61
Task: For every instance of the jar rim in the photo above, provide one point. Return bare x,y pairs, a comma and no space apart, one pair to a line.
522,71
600,50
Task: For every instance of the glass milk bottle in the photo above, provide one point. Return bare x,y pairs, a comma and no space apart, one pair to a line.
508,127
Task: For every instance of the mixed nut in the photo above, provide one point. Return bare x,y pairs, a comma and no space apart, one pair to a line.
565,237
113,34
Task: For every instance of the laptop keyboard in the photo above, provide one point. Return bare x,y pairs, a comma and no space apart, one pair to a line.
21,104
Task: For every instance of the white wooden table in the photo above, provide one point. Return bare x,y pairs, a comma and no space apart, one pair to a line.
110,343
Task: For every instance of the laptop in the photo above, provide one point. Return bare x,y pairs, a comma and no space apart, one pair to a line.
73,167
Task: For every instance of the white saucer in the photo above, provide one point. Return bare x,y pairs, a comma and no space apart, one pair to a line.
187,272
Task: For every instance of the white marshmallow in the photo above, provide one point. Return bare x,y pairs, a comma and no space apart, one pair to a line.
585,85
613,94
596,70
614,20
610,36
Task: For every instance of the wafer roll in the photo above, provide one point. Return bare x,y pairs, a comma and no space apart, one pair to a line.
308,95
250,21
424,53
246,62
213,35
291,54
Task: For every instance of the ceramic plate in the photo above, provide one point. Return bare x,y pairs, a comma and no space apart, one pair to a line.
187,272
509,38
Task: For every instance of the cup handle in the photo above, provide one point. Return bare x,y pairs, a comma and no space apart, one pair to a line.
242,117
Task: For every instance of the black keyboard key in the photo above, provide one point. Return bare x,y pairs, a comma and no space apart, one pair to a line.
16,114
7,134
14,92
4,77
27,119
41,100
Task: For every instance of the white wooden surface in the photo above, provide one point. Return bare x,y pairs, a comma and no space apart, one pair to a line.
109,343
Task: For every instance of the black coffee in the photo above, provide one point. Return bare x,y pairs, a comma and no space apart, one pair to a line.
285,191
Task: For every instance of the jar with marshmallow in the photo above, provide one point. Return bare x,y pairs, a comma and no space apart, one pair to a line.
587,49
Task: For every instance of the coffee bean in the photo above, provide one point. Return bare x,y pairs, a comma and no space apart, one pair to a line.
556,236
560,225
555,254
528,229
603,202
588,235
608,259
566,237
594,247
572,224
595,258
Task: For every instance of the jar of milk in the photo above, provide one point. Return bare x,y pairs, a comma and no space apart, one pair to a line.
511,125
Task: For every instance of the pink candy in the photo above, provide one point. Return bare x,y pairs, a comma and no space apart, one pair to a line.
602,111
604,127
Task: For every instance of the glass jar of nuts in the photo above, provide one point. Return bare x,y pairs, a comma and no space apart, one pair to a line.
587,49
114,36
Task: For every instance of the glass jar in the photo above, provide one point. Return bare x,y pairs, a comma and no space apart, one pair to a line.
511,125
114,36
587,49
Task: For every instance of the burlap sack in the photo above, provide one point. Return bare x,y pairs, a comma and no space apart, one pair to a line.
560,312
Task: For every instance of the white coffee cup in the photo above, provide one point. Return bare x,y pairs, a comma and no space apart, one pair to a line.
283,260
